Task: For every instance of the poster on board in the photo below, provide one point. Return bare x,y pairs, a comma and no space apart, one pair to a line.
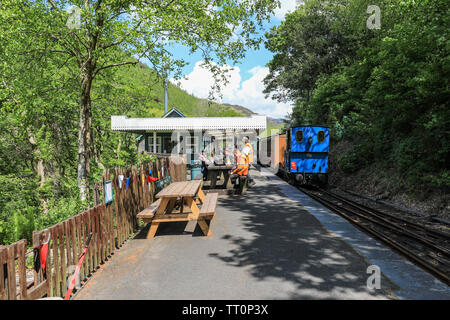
108,191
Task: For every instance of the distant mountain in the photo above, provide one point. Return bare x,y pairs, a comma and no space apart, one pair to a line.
274,122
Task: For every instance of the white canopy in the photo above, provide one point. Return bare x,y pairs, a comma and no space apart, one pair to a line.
123,123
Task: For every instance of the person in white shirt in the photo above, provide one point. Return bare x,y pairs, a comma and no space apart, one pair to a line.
205,162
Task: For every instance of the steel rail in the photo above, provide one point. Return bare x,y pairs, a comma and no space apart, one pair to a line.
391,216
377,234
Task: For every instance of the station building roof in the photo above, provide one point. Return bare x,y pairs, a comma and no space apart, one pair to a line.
123,123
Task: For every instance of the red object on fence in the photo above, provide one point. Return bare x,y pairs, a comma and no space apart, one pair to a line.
41,254
151,179
43,250
77,270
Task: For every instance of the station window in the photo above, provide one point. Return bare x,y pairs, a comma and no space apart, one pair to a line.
299,136
321,136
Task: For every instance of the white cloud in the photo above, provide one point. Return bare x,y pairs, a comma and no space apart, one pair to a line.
248,93
286,6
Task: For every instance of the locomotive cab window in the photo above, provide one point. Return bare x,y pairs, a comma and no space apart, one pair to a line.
299,136
321,136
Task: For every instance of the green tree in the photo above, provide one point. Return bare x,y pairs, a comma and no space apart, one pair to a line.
140,29
386,91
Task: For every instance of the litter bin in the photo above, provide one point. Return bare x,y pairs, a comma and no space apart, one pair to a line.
196,170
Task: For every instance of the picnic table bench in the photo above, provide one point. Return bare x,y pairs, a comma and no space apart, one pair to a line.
179,202
214,171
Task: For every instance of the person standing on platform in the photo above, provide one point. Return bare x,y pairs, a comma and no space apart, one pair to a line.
205,163
248,150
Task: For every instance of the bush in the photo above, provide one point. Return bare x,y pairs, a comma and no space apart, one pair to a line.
358,157
144,158
60,210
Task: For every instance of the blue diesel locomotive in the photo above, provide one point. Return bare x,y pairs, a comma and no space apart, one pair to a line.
300,155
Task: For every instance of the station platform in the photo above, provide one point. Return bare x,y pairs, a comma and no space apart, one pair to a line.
273,243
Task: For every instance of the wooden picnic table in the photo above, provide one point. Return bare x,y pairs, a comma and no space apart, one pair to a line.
223,170
186,196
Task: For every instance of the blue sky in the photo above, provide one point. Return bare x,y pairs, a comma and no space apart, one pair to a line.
245,87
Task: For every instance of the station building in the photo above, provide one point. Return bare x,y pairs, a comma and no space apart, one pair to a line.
176,133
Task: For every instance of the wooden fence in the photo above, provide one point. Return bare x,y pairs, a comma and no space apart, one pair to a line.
111,224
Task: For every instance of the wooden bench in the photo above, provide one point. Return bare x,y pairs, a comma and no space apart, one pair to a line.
207,213
148,213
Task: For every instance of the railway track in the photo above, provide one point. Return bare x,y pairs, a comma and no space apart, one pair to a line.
426,247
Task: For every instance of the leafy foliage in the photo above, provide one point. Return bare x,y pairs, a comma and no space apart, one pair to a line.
60,86
386,91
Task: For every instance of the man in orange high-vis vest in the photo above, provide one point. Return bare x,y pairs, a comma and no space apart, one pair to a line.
246,141
248,149
242,165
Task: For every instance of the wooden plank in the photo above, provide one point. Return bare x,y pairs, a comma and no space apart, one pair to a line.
93,243
152,230
55,265
112,238
140,188
39,291
123,212
174,217
201,195
134,196
91,250
149,211
100,235
108,242
36,243
180,189
68,244
209,206
107,232
84,268
98,238
63,264
162,206
117,208
212,176
171,205
192,205
128,208
3,258
88,258
104,234
204,227
22,269
193,187
78,223
73,233
171,190
11,267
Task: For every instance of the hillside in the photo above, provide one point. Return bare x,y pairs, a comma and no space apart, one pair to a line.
152,90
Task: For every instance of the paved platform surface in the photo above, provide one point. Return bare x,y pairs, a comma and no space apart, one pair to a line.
266,245
413,282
